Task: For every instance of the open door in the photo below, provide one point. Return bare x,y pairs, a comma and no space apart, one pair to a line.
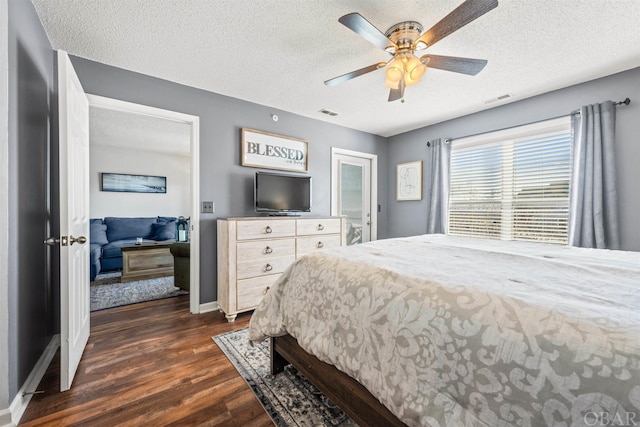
73,116
354,193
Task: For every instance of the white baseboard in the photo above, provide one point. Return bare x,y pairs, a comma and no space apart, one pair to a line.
22,399
209,306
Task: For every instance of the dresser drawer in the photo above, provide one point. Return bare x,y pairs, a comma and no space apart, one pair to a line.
251,291
266,229
312,226
308,244
263,267
265,249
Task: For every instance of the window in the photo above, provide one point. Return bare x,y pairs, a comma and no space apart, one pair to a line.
512,184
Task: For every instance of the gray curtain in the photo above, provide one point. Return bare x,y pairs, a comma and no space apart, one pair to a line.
438,195
593,214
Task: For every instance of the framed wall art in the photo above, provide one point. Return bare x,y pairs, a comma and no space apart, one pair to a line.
409,181
133,183
271,151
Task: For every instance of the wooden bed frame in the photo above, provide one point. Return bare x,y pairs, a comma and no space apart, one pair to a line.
344,391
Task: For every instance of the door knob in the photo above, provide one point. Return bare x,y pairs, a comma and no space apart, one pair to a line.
82,240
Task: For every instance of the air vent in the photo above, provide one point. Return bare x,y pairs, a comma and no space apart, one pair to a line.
498,98
328,112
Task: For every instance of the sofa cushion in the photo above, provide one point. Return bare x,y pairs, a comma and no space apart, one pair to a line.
162,219
164,231
129,228
97,232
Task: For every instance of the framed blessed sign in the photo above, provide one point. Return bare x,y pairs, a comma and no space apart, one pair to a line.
271,151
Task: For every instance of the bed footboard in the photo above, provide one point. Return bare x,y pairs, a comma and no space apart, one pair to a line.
344,391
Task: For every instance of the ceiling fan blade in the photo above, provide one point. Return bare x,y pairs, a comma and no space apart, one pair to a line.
359,25
455,64
458,18
343,78
395,94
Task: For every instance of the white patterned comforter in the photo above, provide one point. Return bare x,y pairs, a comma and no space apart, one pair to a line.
450,331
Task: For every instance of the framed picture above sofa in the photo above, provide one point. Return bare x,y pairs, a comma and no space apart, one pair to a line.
133,183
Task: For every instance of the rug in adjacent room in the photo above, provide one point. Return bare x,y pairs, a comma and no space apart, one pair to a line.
107,291
288,398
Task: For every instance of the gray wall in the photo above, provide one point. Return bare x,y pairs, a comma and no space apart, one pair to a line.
410,218
222,179
31,83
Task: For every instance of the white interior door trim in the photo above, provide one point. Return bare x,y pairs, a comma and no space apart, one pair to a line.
194,124
4,211
374,184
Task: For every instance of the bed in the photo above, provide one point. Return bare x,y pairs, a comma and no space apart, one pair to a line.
449,331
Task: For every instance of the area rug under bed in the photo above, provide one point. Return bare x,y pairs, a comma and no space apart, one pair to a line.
288,398
107,291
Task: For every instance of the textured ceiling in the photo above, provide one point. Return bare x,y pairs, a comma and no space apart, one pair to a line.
279,52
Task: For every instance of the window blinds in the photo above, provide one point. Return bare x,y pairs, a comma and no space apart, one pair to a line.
512,184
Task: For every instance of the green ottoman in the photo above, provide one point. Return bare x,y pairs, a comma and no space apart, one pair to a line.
181,252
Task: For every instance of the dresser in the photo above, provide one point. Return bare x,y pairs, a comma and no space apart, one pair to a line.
254,251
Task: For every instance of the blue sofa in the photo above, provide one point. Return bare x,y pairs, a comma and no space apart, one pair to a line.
109,235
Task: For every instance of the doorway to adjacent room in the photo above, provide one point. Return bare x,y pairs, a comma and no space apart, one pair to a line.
354,193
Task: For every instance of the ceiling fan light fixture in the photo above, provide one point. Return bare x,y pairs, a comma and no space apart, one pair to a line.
395,72
408,81
415,68
417,73
402,41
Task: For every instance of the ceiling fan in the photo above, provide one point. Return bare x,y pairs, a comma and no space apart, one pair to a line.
402,41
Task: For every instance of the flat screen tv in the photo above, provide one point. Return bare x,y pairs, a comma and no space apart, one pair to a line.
282,194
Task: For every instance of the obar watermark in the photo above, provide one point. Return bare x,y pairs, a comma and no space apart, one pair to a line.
607,419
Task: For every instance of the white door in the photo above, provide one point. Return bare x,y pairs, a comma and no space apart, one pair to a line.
74,219
353,193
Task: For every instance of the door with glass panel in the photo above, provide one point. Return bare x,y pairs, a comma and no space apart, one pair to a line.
353,195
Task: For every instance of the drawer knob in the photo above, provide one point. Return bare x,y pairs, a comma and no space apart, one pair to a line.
267,290
320,227
320,245
268,267
268,230
268,250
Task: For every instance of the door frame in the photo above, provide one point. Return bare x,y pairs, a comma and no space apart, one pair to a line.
5,198
373,158
194,125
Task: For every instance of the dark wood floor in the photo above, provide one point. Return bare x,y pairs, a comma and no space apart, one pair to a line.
150,364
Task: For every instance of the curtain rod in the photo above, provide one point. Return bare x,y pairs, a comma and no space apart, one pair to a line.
626,101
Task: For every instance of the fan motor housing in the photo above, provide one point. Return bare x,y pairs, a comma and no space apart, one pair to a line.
404,34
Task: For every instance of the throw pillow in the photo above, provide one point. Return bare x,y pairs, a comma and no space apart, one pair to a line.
164,231
98,233
165,219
